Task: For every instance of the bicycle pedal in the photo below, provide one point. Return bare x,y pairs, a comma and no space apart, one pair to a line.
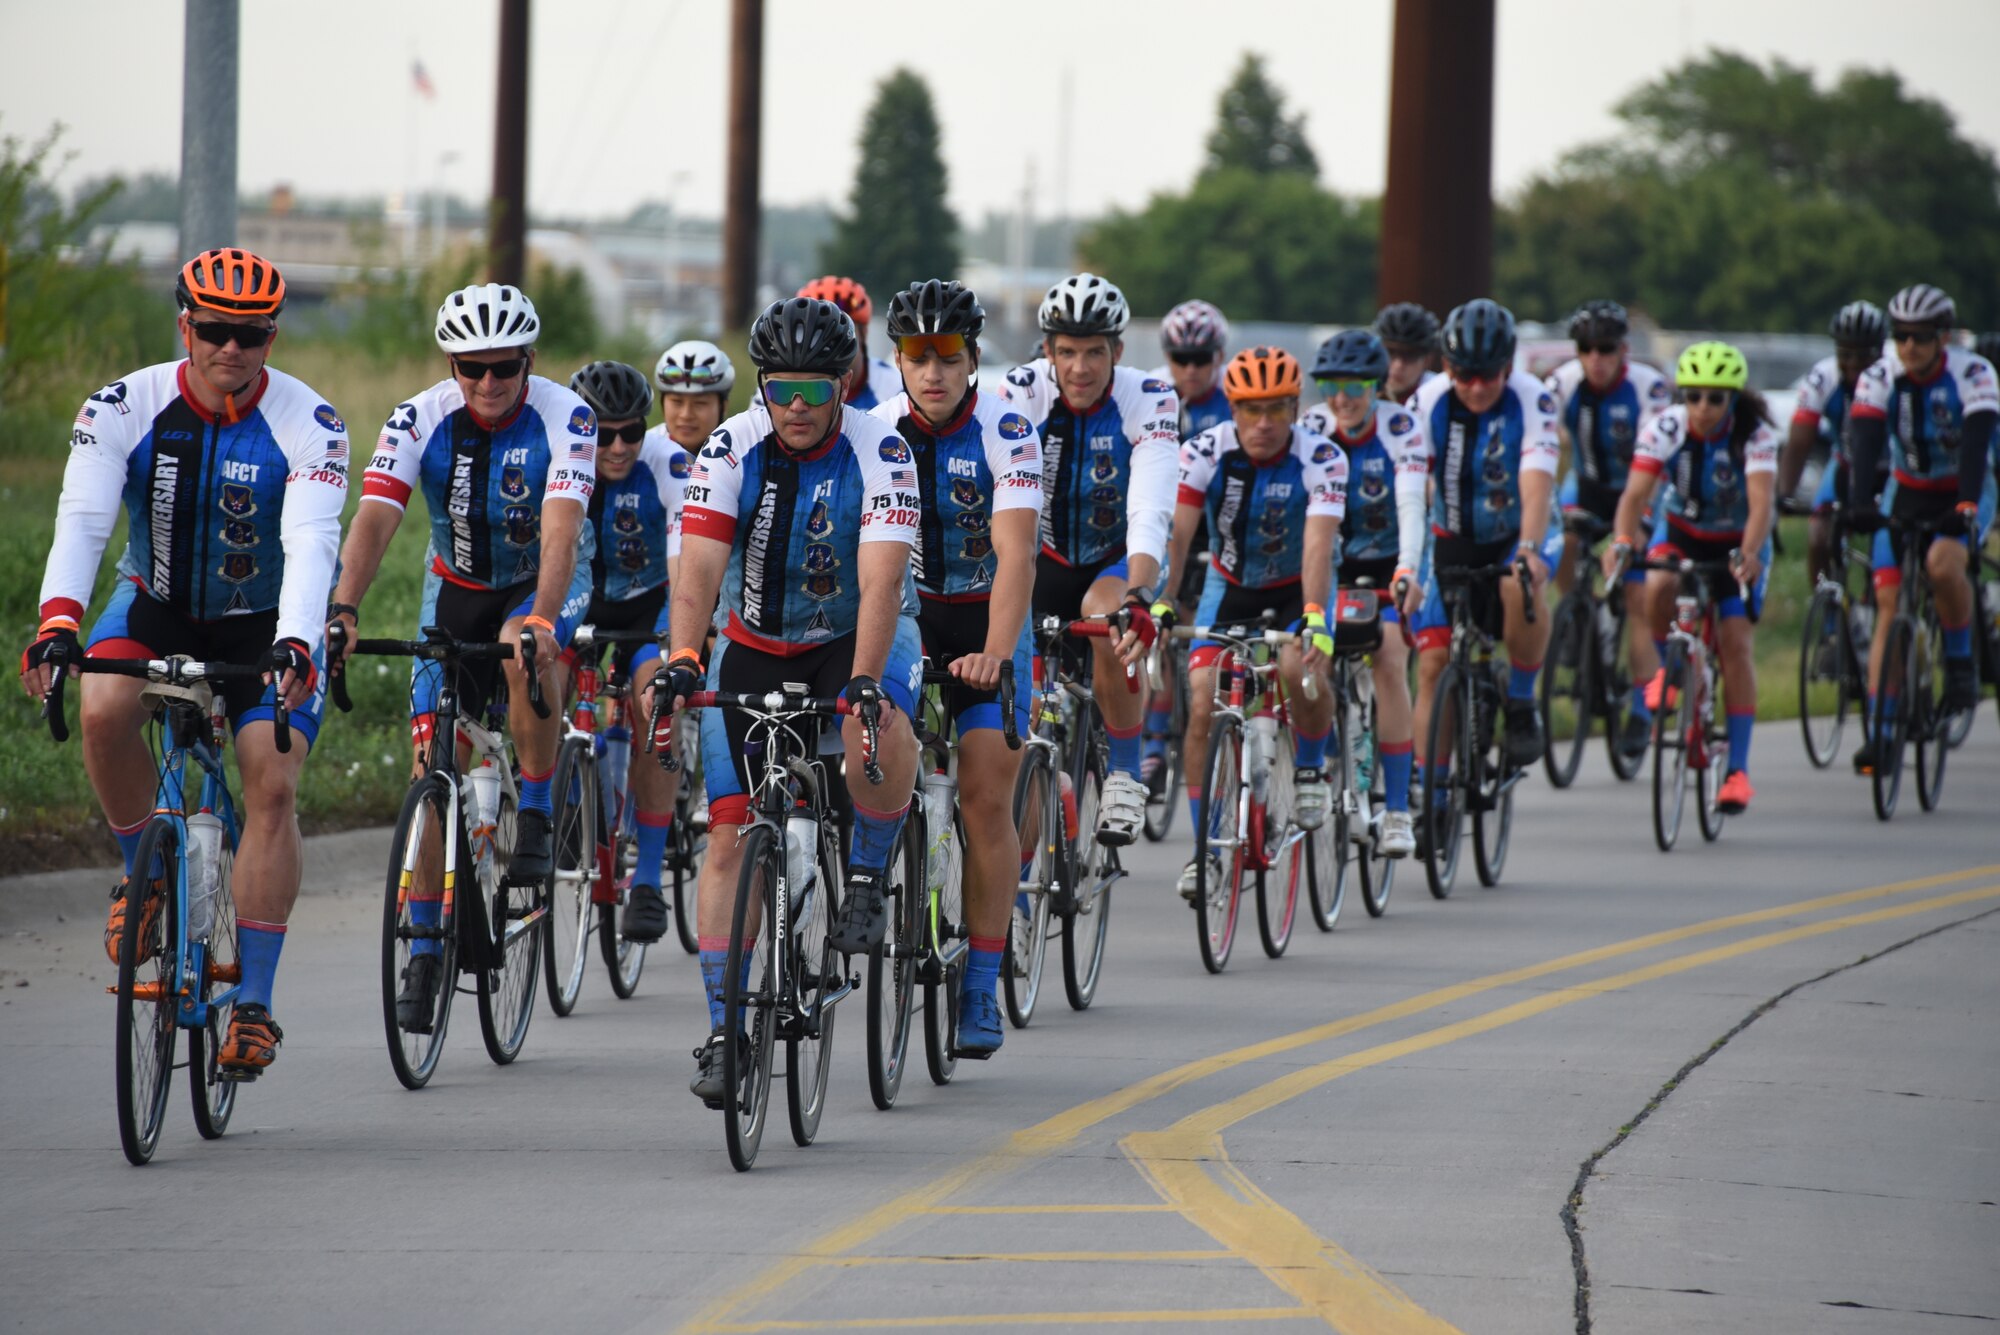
238,1075
971,1054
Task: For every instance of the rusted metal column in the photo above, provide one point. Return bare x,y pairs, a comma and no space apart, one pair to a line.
740,206
1437,213
508,223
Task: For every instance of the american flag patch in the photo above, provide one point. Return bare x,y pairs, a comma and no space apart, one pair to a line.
336,451
582,449
1021,453
902,477
87,416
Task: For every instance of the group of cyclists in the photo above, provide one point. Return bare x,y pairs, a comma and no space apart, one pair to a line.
859,518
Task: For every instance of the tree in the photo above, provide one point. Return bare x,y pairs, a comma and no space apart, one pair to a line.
898,228
1252,132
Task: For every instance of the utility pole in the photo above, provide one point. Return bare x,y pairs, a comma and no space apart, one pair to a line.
739,222
508,224
208,126
1437,213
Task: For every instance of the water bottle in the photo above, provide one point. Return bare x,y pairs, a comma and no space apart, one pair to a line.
940,792
801,857
1364,753
1607,635
614,750
485,783
1263,746
1069,816
204,871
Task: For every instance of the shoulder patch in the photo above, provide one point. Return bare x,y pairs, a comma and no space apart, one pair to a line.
1322,452
719,445
894,451
1023,376
113,394
1660,390
583,422
1401,424
1015,427
1157,387
328,418
1546,402
677,466
403,419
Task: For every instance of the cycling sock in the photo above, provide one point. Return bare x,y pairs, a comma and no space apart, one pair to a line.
426,913
1310,752
1124,750
1638,705
714,959
1396,764
1957,640
1739,738
982,966
874,836
128,841
654,828
535,791
1157,723
1521,680
257,947
1660,648
1194,805
1443,784
1886,707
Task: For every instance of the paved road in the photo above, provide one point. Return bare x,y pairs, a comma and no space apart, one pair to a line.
1379,1132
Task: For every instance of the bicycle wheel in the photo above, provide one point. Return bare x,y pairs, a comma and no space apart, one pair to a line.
1493,805
1093,869
1612,686
623,959
1671,724
1934,731
1220,846
516,911
414,879
892,977
690,843
1714,754
943,929
749,1021
1330,848
1567,688
1445,795
818,971
1823,677
146,988
214,1097
1038,818
1164,798
1286,859
573,873
1893,724
1377,871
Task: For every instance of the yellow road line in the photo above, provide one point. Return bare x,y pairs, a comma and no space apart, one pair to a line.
977,1258
1053,1133
1161,1317
1153,1207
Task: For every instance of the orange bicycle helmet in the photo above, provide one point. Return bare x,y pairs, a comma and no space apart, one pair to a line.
1263,373
845,293
230,280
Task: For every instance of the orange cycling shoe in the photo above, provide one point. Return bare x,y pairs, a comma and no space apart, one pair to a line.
1657,688
114,922
252,1043
1734,799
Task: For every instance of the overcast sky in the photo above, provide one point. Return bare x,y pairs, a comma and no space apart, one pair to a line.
627,96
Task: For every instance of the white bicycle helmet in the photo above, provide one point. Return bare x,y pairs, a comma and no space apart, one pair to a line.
486,316
694,367
1085,304
1921,303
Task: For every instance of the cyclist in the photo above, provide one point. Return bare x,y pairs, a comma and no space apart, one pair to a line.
505,461
979,471
1410,333
1859,330
1492,432
1720,452
1273,492
1108,446
1934,404
232,476
635,514
1603,399
801,516
873,380
1388,467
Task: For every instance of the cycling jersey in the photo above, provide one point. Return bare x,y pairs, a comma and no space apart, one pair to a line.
1823,403
1478,458
985,460
1711,496
1256,511
1107,470
1603,427
485,486
1936,444
1198,415
882,383
795,524
227,518
637,520
1387,467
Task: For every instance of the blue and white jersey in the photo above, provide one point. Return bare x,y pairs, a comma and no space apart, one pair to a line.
637,520
1198,415
485,486
1710,498
1823,403
984,461
227,517
1257,510
884,382
1388,464
1477,459
1108,470
1604,428
1925,416
795,524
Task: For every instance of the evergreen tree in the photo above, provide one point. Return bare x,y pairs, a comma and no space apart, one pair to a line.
898,229
1252,131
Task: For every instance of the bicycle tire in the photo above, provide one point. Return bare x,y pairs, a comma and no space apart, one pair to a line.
1823,638
892,978
413,1056
1714,756
1333,843
147,1033
1444,821
1892,729
1568,676
1493,814
1670,750
1093,868
624,960
750,1029
507,994
572,873
1038,819
1160,810
1286,857
1219,876
214,1098
1930,727
818,969
941,986
1613,690
690,845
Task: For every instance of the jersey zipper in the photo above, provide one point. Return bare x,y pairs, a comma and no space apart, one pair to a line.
202,518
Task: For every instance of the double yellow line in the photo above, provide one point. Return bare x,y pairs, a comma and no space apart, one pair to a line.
1188,1165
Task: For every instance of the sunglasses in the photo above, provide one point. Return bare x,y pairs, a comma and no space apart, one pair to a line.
1191,358
1918,336
702,377
1714,398
505,369
816,393
918,346
1461,376
631,433
1601,349
1346,389
221,333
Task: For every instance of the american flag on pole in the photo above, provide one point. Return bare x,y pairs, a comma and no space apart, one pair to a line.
422,81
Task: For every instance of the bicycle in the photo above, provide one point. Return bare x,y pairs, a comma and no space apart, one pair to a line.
1479,778
1909,699
453,819
690,842
1163,794
178,968
1688,730
1247,826
782,977
1833,652
1588,672
1359,802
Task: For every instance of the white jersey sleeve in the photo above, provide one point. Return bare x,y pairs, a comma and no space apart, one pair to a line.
1656,391
1562,382
1815,388
1323,467
714,487
1029,389
1660,440
668,463
314,441
1410,455
1875,388
1977,390
397,464
1198,458
1013,455
1151,412
1760,452
1541,440
572,436
108,428
891,502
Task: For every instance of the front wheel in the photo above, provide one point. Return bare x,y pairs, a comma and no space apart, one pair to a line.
623,960
1220,845
1448,757
1163,797
146,987
1038,818
1672,724
1714,753
215,1097
515,911
1493,807
1286,860
818,971
573,854
892,970
419,919
1893,709
1093,868
1824,676
749,1028
1345,829
1567,688
943,927
1934,731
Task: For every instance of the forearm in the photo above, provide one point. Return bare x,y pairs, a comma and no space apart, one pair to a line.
1186,519
561,522
1013,583
1757,528
1536,487
1974,439
1631,506
875,625
694,590
1792,462
375,523
1316,576
1143,572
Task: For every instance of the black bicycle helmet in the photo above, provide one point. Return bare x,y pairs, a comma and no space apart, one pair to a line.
1598,322
614,391
804,334
1352,354
1479,336
1988,346
936,306
1859,324
1408,324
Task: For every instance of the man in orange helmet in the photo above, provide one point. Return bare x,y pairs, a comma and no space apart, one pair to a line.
232,476
872,381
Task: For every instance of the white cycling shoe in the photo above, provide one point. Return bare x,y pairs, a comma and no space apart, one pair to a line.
1123,810
1399,838
1310,797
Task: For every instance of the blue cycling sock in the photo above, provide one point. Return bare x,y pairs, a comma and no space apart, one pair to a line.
1443,787
1521,681
128,841
1886,707
1311,751
257,948
874,836
426,913
1739,739
653,832
1638,705
1660,648
1157,723
535,792
712,964
1396,765
1124,749
982,968
1958,641
1194,805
